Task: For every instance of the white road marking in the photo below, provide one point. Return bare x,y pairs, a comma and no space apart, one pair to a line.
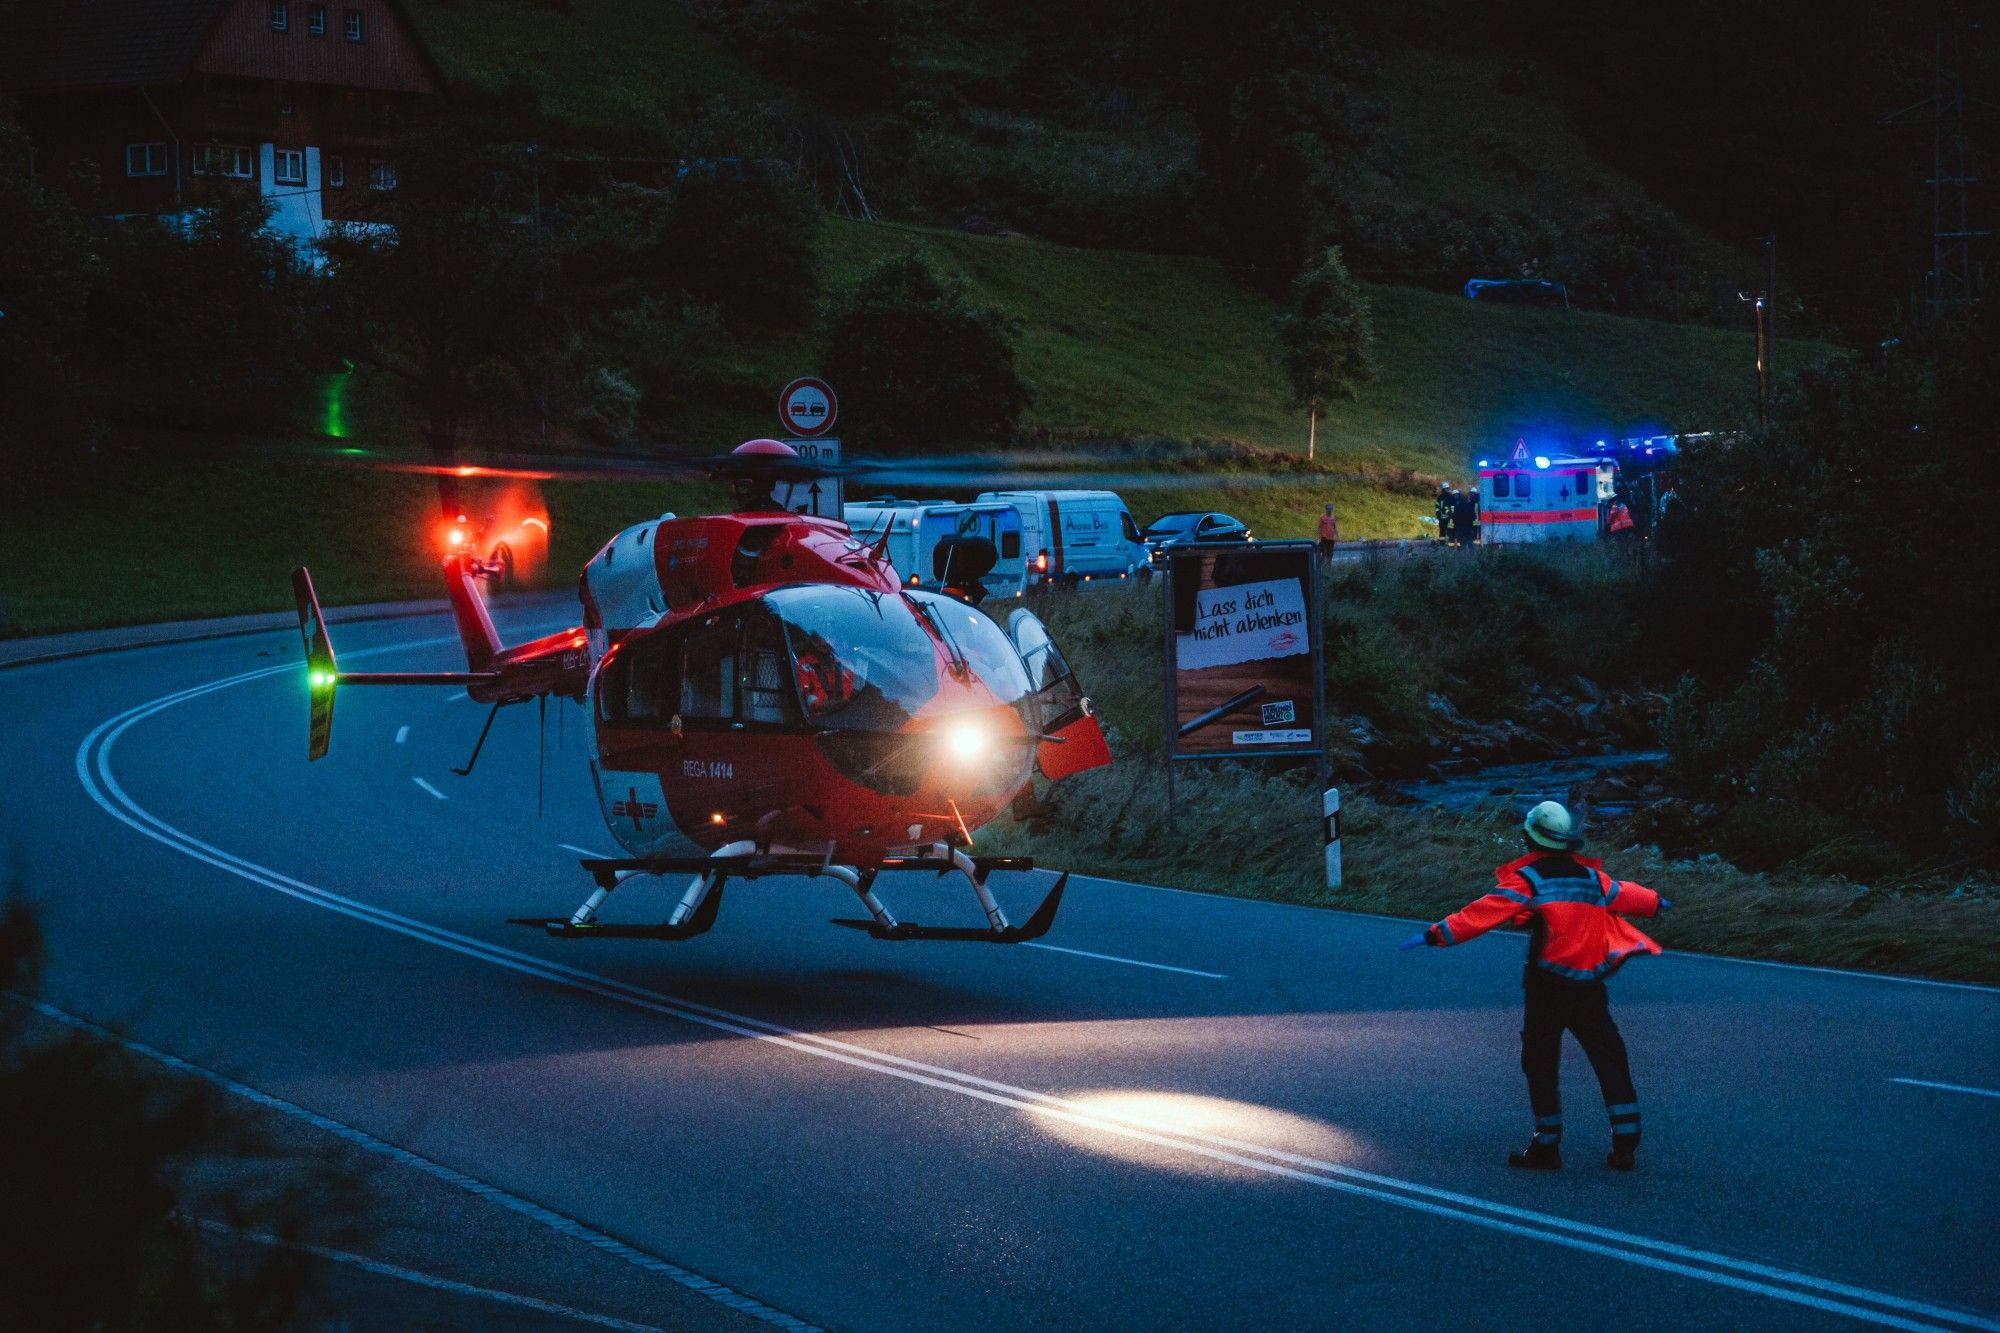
1948,1087
1626,1247
514,1203
402,734
583,851
432,790
414,1278
1674,953
1130,962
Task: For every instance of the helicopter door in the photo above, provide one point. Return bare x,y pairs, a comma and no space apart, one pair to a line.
1077,742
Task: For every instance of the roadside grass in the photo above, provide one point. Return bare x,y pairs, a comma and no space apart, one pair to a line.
148,536
1410,635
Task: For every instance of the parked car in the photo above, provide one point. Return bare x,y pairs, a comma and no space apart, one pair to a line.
1076,536
1193,526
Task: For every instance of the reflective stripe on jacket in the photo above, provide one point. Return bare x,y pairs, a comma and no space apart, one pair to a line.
1577,914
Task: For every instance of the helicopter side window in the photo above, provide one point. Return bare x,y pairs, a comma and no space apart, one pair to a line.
642,681
767,696
708,678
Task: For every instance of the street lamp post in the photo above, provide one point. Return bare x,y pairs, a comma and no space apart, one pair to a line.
1759,302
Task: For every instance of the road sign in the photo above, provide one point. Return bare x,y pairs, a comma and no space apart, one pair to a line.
807,407
823,496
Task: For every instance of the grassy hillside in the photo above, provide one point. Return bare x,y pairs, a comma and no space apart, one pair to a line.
609,71
1147,345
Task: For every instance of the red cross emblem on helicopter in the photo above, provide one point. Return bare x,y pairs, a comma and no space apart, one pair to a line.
633,808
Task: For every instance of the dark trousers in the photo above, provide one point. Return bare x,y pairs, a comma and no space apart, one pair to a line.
1584,1008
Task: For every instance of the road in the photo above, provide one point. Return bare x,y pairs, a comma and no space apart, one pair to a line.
1186,1111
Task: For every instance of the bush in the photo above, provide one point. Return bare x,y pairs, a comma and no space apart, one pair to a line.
1819,588
917,363
98,1222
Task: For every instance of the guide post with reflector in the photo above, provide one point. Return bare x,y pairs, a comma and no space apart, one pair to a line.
1329,809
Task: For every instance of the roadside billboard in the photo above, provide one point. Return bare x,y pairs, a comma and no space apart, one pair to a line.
1243,651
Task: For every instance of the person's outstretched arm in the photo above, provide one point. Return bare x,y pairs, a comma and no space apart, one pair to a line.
1628,899
1506,904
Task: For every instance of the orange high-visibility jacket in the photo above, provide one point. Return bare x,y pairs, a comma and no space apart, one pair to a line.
1577,911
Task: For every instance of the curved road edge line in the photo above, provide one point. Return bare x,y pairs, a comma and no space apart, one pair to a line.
1643,1251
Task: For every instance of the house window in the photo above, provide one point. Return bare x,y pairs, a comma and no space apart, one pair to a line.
288,167
353,25
145,159
221,159
288,100
316,20
336,172
382,176
281,16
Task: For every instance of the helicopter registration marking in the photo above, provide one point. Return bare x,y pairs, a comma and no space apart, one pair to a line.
708,768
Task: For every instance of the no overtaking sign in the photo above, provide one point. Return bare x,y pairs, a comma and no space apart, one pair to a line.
807,407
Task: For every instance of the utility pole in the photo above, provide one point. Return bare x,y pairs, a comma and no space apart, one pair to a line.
1759,303
1952,290
1951,287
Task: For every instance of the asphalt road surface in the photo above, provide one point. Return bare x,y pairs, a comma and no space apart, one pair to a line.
1177,1111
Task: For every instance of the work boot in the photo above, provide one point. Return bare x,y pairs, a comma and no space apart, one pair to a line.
1622,1155
1538,1156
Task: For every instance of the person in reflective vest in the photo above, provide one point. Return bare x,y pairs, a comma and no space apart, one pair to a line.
1578,936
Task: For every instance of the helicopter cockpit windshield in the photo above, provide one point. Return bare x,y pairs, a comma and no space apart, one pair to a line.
860,658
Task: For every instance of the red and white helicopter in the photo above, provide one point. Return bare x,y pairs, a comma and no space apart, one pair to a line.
767,697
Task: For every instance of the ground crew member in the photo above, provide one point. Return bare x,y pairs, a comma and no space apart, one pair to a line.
1445,511
1465,518
1329,534
1578,937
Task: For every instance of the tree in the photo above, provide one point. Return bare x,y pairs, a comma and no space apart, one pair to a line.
456,289
1328,340
46,268
1281,138
916,363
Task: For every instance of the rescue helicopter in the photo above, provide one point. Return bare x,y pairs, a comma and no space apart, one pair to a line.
768,697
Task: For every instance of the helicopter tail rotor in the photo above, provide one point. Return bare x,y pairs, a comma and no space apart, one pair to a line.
322,672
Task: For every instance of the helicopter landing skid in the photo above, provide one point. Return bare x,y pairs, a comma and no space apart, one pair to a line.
696,911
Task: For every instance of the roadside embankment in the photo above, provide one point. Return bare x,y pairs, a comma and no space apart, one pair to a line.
1435,666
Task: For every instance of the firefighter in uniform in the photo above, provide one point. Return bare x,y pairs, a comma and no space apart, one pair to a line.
1578,937
1445,510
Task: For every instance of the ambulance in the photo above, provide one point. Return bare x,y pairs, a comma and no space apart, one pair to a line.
1549,497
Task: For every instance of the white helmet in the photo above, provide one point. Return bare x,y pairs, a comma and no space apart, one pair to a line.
1550,825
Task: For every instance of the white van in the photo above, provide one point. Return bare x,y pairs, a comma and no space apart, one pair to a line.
1076,535
915,528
